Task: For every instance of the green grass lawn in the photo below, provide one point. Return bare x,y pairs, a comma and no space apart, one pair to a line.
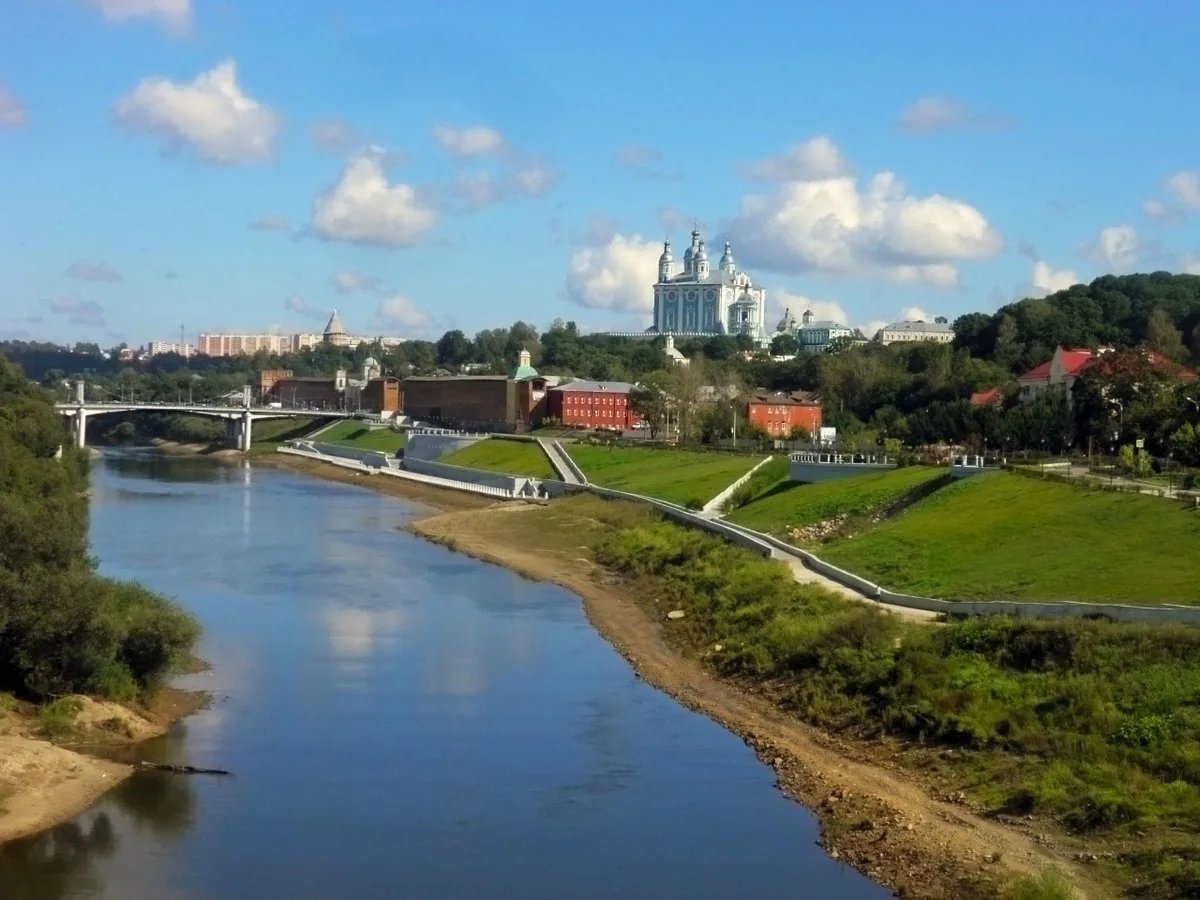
679,476
268,434
353,433
499,455
791,504
1004,536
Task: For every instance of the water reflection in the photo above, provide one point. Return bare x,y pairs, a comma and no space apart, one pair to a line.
57,863
62,862
401,721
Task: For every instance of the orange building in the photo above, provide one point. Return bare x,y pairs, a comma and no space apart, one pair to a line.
268,378
779,413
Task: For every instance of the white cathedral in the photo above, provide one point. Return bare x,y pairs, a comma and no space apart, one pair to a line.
697,300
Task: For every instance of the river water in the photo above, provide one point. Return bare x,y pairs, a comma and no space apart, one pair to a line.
401,721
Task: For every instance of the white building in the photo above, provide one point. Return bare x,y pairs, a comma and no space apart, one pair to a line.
335,335
938,330
812,336
698,300
155,348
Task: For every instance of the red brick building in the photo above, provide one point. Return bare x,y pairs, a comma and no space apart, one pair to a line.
779,413
383,395
592,404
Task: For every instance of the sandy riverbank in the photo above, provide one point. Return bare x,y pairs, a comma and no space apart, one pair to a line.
873,815
44,783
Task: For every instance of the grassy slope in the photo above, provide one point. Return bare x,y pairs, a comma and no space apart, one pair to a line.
1003,536
680,476
498,455
351,433
790,504
1091,726
270,433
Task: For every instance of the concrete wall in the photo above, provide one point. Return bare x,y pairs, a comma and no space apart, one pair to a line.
375,459
514,484
812,473
715,504
299,449
435,446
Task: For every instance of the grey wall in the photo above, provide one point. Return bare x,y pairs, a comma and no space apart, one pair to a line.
434,446
514,483
816,472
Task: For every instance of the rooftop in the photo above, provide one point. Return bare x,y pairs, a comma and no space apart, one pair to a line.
919,325
785,398
614,387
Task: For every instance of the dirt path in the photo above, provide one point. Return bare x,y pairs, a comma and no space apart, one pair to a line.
873,816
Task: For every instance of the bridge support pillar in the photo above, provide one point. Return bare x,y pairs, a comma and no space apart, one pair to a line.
79,428
246,432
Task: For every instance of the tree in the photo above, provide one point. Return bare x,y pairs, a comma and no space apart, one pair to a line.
453,349
1008,349
1163,337
784,345
87,349
651,400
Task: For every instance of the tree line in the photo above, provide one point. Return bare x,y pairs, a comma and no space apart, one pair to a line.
917,393
64,628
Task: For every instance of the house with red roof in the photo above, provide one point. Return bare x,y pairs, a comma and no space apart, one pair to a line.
991,397
1062,371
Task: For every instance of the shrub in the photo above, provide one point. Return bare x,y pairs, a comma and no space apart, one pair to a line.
1051,885
57,719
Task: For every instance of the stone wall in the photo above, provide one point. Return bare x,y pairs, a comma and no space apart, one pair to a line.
435,446
517,485
812,473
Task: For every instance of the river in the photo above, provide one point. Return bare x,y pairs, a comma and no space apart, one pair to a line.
401,721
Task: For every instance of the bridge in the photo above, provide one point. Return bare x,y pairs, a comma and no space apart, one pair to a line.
240,419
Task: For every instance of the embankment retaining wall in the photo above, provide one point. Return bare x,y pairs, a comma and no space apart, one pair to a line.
434,446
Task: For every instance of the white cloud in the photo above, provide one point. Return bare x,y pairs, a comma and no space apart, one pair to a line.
77,311
12,111
940,275
1045,280
363,208
928,115
1189,263
798,304
211,115
1157,211
812,160
302,307
84,270
354,283
271,222
1185,187
1117,247
478,140
533,181
914,314
614,275
644,161
873,328
175,15
332,134
478,188
399,312
831,226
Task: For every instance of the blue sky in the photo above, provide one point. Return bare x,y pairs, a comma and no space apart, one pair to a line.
238,165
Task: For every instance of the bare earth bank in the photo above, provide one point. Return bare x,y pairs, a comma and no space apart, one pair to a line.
43,784
872,815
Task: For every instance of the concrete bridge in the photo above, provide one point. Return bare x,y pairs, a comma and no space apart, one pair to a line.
239,419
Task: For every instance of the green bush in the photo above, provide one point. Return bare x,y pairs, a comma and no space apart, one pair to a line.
63,628
1052,885
57,719
1094,723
